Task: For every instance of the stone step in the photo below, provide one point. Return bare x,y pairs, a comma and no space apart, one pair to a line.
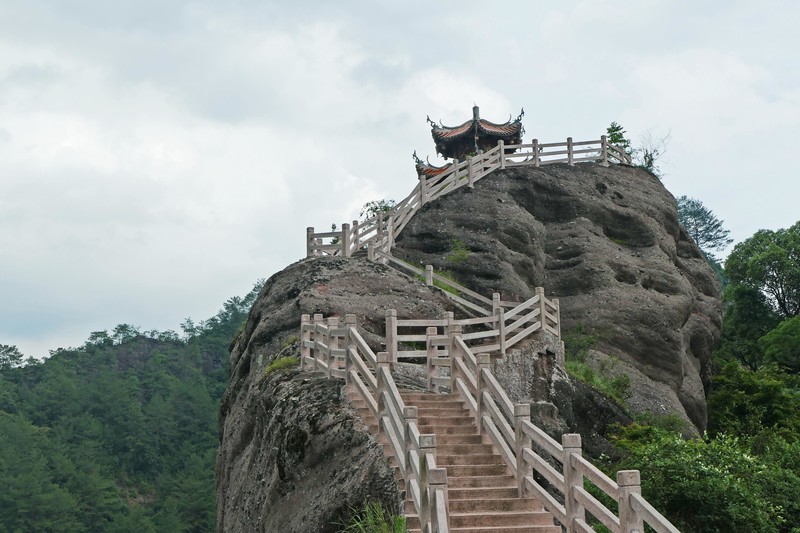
484,459
412,524
486,505
445,420
511,518
443,411
464,449
448,429
481,481
474,493
458,471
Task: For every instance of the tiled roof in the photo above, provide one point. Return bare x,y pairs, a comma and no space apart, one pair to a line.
426,169
507,130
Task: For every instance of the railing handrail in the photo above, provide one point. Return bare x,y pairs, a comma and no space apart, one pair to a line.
370,374
381,229
517,439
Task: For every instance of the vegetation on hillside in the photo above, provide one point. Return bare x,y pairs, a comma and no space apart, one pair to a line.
744,473
118,435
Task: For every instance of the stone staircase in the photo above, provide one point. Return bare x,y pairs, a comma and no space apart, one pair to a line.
482,492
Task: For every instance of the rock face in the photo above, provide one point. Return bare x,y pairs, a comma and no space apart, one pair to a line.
292,456
607,243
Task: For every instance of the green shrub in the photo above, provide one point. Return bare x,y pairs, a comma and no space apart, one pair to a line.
373,518
704,485
458,252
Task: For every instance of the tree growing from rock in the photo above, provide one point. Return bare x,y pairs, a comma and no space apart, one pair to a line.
702,225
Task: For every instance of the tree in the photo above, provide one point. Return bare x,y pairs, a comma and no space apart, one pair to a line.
748,317
375,207
770,262
616,136
10,357
646,155
782,344
702,225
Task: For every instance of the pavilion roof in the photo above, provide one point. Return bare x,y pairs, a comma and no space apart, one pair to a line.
476,131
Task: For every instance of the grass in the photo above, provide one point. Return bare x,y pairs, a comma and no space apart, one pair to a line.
373,518
281,363
442,285
577,344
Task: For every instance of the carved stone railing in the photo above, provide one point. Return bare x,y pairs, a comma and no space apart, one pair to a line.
380,231
339,351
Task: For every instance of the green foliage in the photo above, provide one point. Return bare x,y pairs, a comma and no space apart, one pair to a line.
748,317
770,262
281,364
458,252
444,286
118,435
577,344
703,485
616,136
746,402
782,345
376,207
702,225
10,357
373,518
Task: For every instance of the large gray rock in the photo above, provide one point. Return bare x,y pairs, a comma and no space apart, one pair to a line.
292,456
607,243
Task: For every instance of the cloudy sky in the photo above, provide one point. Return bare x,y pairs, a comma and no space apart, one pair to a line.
158,157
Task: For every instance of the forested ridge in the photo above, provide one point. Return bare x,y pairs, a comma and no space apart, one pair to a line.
120,434
117,435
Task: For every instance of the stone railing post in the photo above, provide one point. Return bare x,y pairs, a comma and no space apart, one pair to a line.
482,160
383,362
629,483
502,153
572,478
522,413
389,234
333,344
310,241
431,354
437,482
305,336
604,150
428,275
345,240
391,335
427,445
423,190
470,172
410,416
542,307
350,323
316,355
455,170
570,154
371,251
484,363
557,305
356,237
536,150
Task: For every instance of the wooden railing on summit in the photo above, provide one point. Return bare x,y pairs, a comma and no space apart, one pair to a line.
526,449
380,231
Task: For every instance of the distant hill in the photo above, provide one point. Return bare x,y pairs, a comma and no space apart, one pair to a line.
120,434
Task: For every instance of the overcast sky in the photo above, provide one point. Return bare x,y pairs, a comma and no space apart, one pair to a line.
158,157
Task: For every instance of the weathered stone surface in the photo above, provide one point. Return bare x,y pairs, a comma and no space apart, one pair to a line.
292,456
607,243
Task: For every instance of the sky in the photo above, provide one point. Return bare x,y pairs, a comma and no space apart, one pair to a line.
159,157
